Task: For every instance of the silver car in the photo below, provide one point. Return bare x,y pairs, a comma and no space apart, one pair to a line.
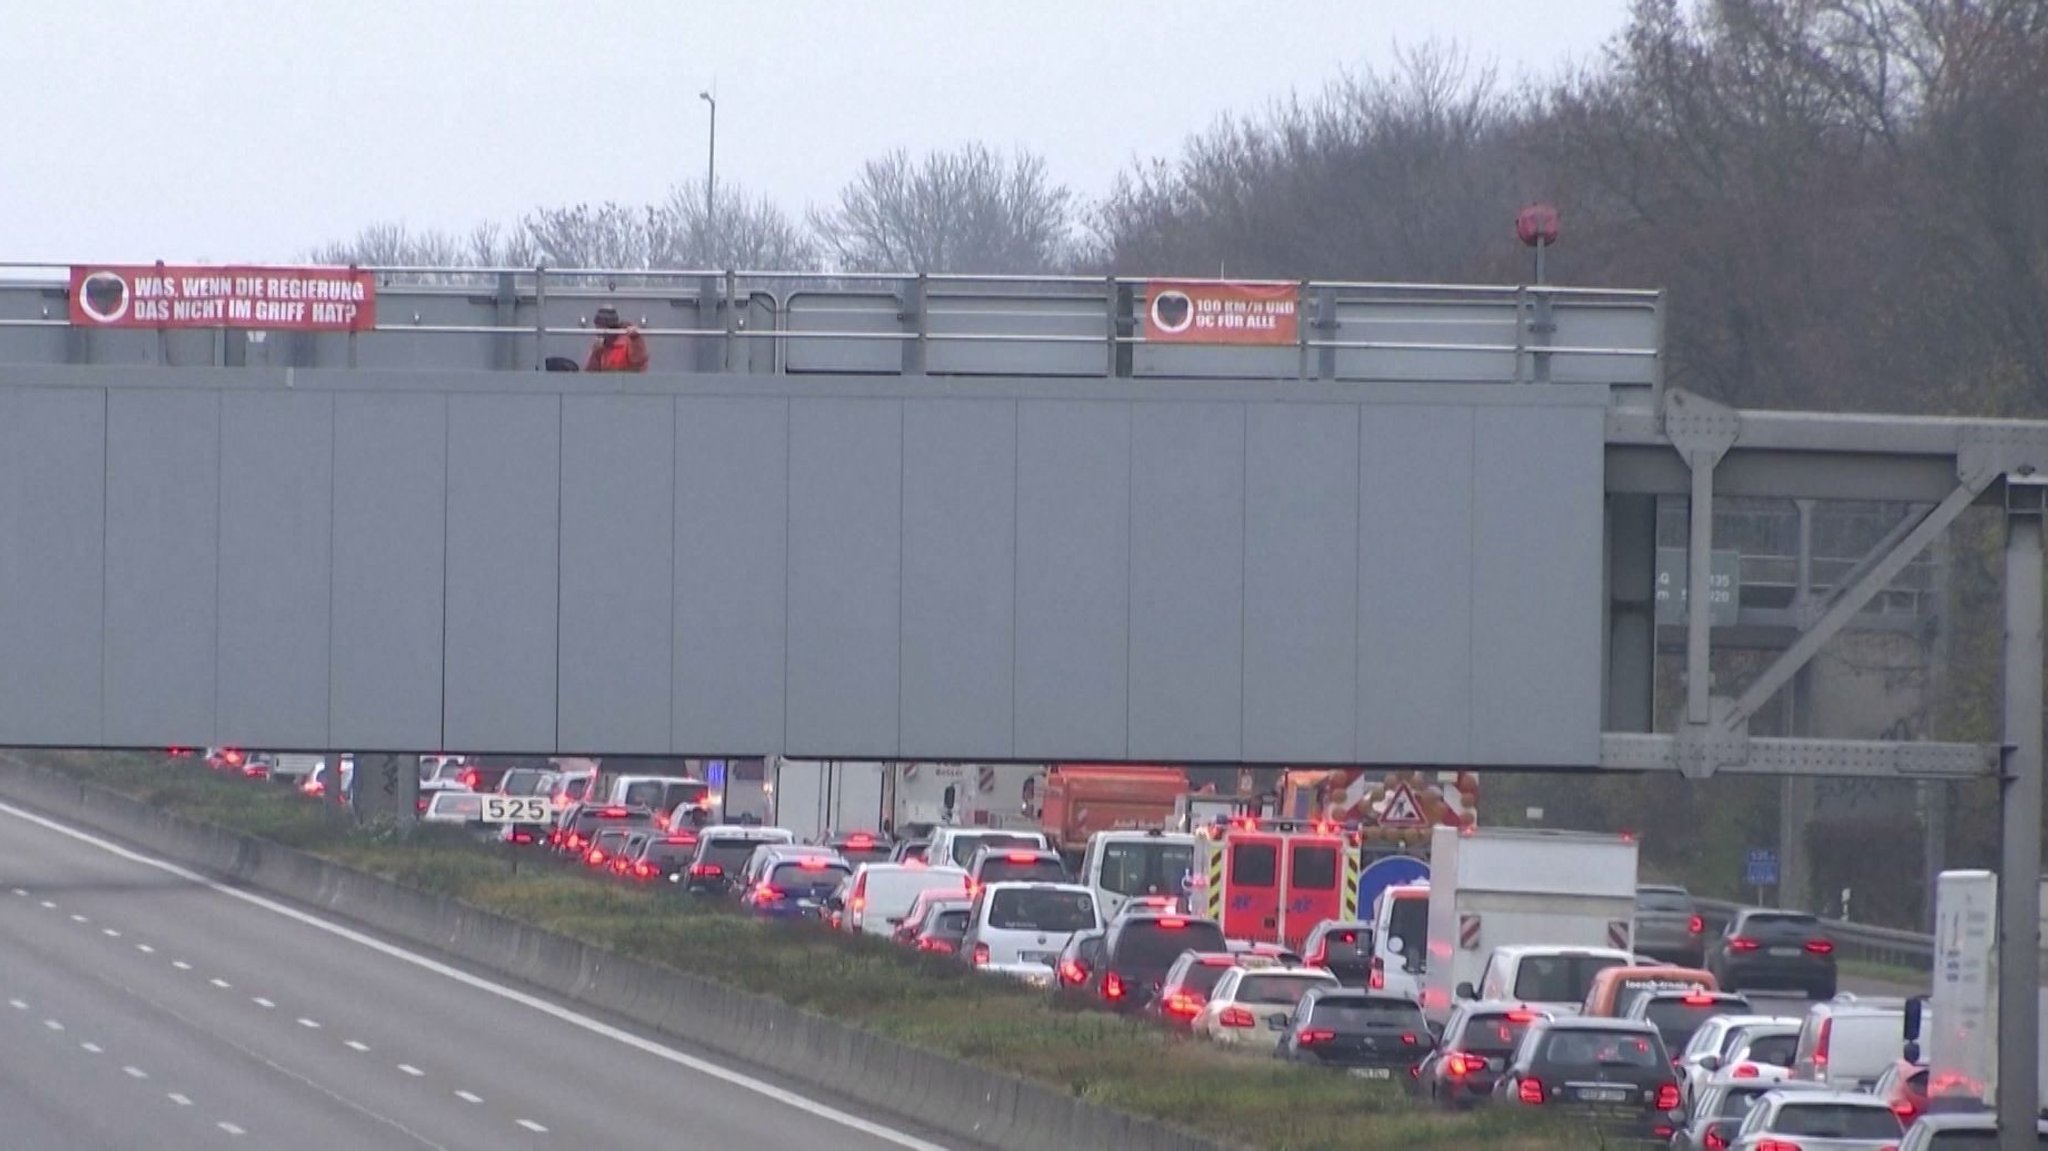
1820,1120
1669,927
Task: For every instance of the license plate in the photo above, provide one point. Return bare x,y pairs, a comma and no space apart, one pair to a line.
1603,1094
1046,957
1372,1073
1784,952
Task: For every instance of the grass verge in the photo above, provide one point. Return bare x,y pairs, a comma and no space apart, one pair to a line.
933,1004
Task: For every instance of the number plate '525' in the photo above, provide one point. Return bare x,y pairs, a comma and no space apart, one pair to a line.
515,809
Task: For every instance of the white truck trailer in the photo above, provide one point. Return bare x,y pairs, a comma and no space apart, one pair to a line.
1489,887
817,798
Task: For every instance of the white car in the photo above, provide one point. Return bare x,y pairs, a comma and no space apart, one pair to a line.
1253,1008
1019,929
1763,1052
453,805
1710,1044
1835,1120
879,895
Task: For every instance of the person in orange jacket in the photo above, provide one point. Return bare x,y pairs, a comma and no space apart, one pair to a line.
621,347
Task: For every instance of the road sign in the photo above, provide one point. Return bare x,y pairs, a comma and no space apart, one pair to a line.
1674,576
1387,871
1401,809
1763,867
515,809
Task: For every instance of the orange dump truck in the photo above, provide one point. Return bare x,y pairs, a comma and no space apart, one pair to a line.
1081,799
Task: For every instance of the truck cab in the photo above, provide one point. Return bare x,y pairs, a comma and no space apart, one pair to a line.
1120,865
1400,940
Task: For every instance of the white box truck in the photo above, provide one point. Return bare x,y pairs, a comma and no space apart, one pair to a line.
1493,886
817,798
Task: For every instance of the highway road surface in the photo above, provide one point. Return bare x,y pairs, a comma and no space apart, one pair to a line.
144,1007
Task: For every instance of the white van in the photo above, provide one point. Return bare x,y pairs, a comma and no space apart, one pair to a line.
664,794
1848,1041
1120,865
955,846
1019,929
1400,940
878,896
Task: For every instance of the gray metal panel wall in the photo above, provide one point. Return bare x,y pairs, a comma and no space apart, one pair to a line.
390,549
845,577
1415,583
52,564
1537,585
163,523
1073,579
1187,581
276,500
1301,582
504,562
731,590
618,573
959,578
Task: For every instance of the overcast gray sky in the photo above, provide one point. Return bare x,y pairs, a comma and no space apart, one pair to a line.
253,129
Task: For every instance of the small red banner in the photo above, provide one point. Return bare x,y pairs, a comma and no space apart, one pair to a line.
276,299
1222,312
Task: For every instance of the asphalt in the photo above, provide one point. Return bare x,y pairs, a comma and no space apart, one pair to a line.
145,1009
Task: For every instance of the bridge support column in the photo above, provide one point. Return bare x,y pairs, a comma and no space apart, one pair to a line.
2019,913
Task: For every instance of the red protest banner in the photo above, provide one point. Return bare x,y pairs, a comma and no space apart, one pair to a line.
276,299
1221,312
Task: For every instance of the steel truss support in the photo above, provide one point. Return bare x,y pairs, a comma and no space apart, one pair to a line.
2019,913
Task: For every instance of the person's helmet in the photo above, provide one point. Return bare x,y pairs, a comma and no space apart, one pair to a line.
607,317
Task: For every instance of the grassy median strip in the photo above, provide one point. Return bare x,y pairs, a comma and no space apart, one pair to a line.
931,1003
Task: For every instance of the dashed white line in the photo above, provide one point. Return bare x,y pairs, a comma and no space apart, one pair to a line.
469,1097
79,919
110,933
530,1125
92,1048
180,1100
145,948
314,1024
357,1045
21,891
181,965
230,1128
17,1004
53,1025
47,905
135,1072
409,1069
262,1002
220,983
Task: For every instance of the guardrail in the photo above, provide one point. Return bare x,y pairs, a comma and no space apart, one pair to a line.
1888,946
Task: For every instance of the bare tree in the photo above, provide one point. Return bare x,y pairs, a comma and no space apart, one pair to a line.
741,232
970,210
393,244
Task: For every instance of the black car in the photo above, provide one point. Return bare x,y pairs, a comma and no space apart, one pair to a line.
1669,926
722,853
664,857
1074,971
1678,1014
1474,1048
1139,949
581,824
1785,950
1374,1036
1342,947
1611,1074
943,931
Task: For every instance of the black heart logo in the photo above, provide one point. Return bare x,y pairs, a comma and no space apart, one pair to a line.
105,294
1171,310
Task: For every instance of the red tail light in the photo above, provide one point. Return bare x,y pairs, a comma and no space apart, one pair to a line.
1530,1091
1905,1109
1377,979
1408,1039
1696,925
1181,1005
981,955
1311,1038
470,778
1112,986
767,893
860,842
706,871
1820,947
1521,1017
1777,1145
1235,1017
1741,944
1460,1065
522,836
1667,1097
1744,1071
644,870
811,863
594,858
1715,1141
1072,973
1698,999
574,842
936,946
1172,924
1021,857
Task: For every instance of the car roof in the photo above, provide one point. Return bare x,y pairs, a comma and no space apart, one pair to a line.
743,831
1765,1086
1037,885
1524,950
1598,1023
1965,1121
1847,1004
1837,1097
1681,993
1501,1007
1662,889
1338,992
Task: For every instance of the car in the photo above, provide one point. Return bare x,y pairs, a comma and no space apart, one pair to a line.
1342,947
1474,1047
858,847
323,776
1258,947
1836,1120
1903,1087
1148,905
942,927
1137,951
1372,1035
722,854
1255,1008
1719,1106
879,895
1701,1057
605,843
463,807
767,855
580,825
1961,1131
1669,926
1554,980
794,885
921,906
568,788
909,851
1020,928
1192,977
622,859
956,845
676,800
1765,949
1015,864
1848,1041
1400,939
1763,1052
1079,960
1609,1074
1616,988
525,781
1677,1014
664,857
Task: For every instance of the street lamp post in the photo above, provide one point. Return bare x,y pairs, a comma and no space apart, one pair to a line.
711,173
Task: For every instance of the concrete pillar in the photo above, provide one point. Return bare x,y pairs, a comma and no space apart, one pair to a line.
387,787
2019,909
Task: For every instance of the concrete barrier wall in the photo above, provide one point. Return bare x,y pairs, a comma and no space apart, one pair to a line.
990,1109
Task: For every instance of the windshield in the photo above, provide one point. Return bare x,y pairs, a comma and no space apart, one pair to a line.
1349,1014
1348,944
524,781
1145,868
1971,1141
663,795
964,846
1835,1121
1559,978
1735,1103
1409,923
1043,910
730,854
1152,945
1676,1020
1781,923
1202,978
1775,1050
666,853
949,921
1671,901
1276,989
808,873
1497,1034
1601,1049
458,803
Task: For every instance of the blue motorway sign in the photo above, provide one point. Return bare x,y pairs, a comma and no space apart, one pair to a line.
1763,867
1388,871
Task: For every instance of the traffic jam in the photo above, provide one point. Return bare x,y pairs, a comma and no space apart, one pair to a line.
1363,925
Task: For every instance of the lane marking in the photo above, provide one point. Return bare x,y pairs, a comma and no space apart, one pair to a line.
356,1045
409,1069
21,891
469,1097
145,948
555,1011
79,919
263,1003
110,933
136,1072
220,983
530,1125
180,1100
93,1048
181,965
53,1025
309,1023
230,1128
17,1004
49,905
